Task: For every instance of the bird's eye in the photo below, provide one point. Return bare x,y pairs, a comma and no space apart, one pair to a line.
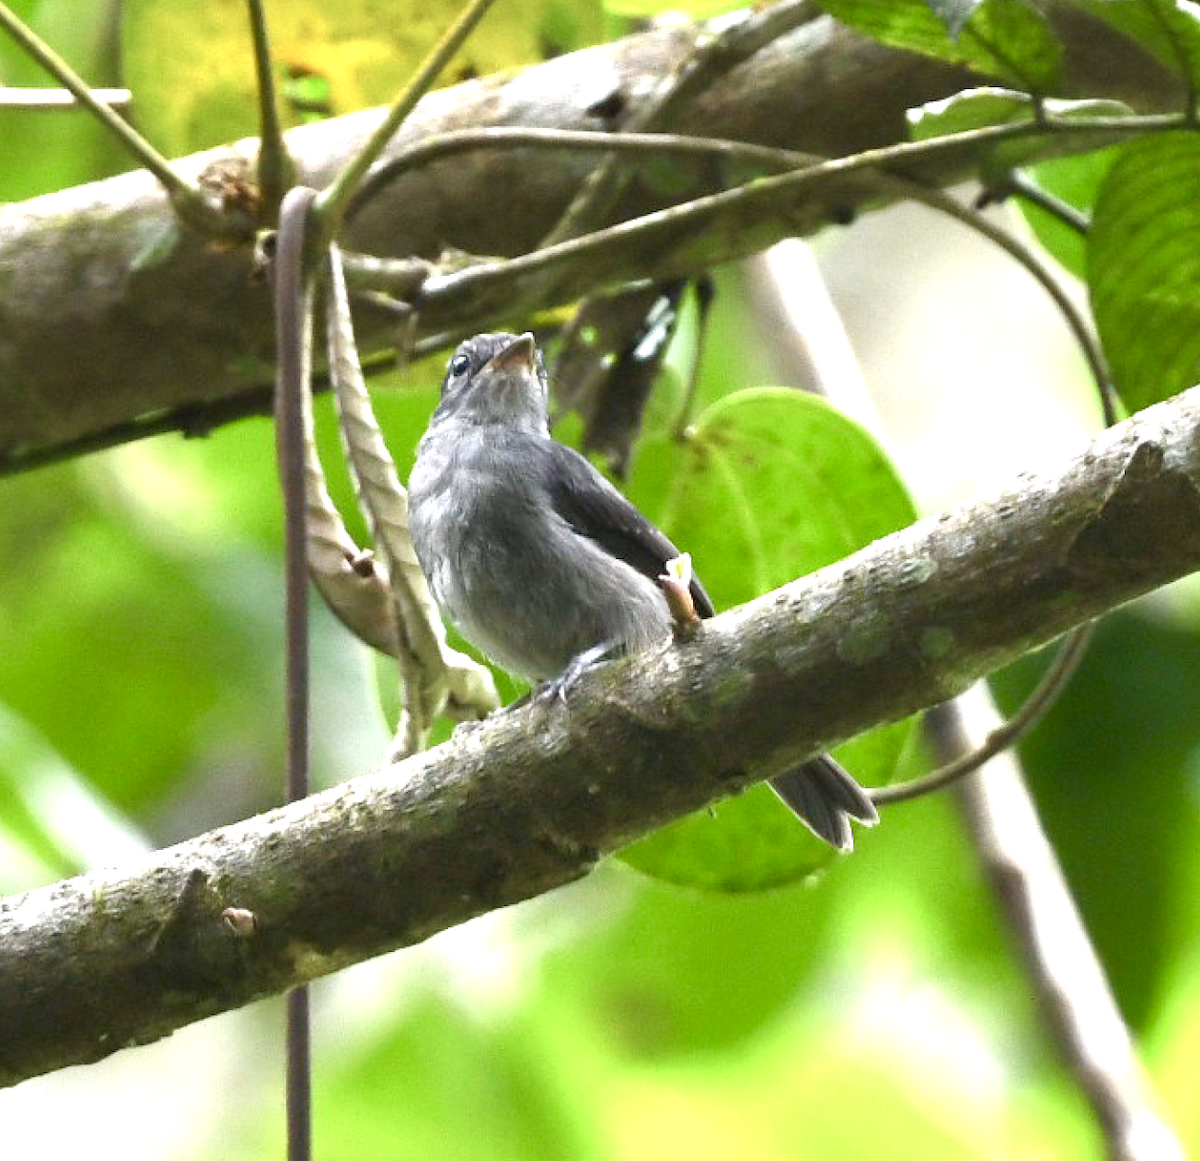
460,364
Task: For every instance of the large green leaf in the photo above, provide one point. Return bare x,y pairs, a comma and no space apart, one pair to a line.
773,484
1143,267
1009,39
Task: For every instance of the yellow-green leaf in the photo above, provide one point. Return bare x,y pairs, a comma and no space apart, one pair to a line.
773,484
192,72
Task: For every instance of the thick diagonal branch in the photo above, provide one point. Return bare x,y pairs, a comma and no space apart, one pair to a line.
111,315
530,799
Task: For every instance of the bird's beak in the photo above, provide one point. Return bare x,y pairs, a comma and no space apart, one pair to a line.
520,355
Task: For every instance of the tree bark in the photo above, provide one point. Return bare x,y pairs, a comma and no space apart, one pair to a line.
113,316
531,798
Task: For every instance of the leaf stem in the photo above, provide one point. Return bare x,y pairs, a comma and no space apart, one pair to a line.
1020,185
332,202
1033,709
804,170
275,169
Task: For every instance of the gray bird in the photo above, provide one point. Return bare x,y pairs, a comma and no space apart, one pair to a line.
541,563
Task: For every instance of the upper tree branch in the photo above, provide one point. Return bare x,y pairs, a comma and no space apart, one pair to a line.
528,800
109,312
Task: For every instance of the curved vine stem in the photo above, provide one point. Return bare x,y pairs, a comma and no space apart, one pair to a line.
1075,645
1032,710
1015,248
293,337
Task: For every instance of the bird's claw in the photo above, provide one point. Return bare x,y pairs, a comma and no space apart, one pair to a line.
557,688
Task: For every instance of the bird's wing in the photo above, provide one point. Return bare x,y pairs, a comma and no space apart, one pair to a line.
595,509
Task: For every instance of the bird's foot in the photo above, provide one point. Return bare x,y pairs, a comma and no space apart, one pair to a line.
559,687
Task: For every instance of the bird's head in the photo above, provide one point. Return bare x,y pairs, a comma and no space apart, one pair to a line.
496,378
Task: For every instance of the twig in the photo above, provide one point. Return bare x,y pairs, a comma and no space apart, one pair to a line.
298,1079
1005,735
454,141
336,197
50,100
1059,959
1019,184
663,230
293,333
276,172
1080,329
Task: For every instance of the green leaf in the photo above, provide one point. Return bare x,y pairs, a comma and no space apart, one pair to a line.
969,109
985,106
954,13
1143,267
1075,181
192,73
991,105
1008,39
773,484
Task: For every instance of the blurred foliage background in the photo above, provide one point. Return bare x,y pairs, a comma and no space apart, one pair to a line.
873,1010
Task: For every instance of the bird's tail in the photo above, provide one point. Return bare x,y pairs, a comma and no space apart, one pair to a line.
825,798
